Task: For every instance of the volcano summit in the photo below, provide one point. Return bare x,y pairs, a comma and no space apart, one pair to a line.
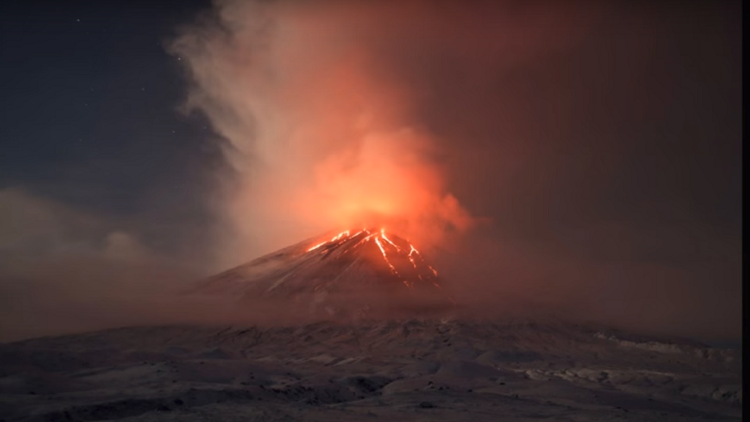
349,271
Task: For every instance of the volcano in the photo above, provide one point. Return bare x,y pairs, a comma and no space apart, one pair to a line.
358,270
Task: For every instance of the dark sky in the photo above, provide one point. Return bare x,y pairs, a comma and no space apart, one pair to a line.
600,144
89,104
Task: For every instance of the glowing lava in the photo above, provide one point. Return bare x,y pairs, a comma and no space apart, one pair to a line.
385,257
340,235
382,235
394,253
411,258
335,238
348,270
317,246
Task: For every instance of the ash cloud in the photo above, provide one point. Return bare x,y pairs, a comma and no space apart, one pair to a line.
586,153
577,159
320,134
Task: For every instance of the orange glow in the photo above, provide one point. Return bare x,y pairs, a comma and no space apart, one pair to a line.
335,238
411,258
413,250
364,240
412,262
385,177
326,176
386,256
383,242
340,235
382,234
336,132
317,246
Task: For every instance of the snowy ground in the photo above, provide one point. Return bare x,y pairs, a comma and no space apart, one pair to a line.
413,370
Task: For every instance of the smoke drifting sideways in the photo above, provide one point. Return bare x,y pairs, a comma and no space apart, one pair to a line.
548,158
321,136
500,137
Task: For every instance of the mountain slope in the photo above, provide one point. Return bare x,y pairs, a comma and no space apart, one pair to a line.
413,369
368,268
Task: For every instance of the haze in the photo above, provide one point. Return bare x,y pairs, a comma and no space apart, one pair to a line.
559,158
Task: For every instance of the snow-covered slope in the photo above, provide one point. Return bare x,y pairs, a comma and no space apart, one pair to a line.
349,270
413,369
446,367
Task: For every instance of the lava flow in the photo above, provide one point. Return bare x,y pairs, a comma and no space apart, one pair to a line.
401,259
354,268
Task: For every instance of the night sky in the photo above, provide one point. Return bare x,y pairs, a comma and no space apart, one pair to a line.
90,105
597,147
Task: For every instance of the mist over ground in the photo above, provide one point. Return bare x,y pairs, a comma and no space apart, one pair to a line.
579,159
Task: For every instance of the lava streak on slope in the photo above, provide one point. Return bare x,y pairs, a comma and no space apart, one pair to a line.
407,268
352,271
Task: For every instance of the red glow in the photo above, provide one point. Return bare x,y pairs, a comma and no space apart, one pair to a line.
383,242
340,235
386,256
335,238
384,237
317,246
411,258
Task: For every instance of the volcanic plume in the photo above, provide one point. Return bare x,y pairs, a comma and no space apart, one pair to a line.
349,271
318,133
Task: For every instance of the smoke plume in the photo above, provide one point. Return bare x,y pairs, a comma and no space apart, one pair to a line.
604,178
320,134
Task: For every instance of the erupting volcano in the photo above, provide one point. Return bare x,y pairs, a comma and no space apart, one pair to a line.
419,271
354,269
